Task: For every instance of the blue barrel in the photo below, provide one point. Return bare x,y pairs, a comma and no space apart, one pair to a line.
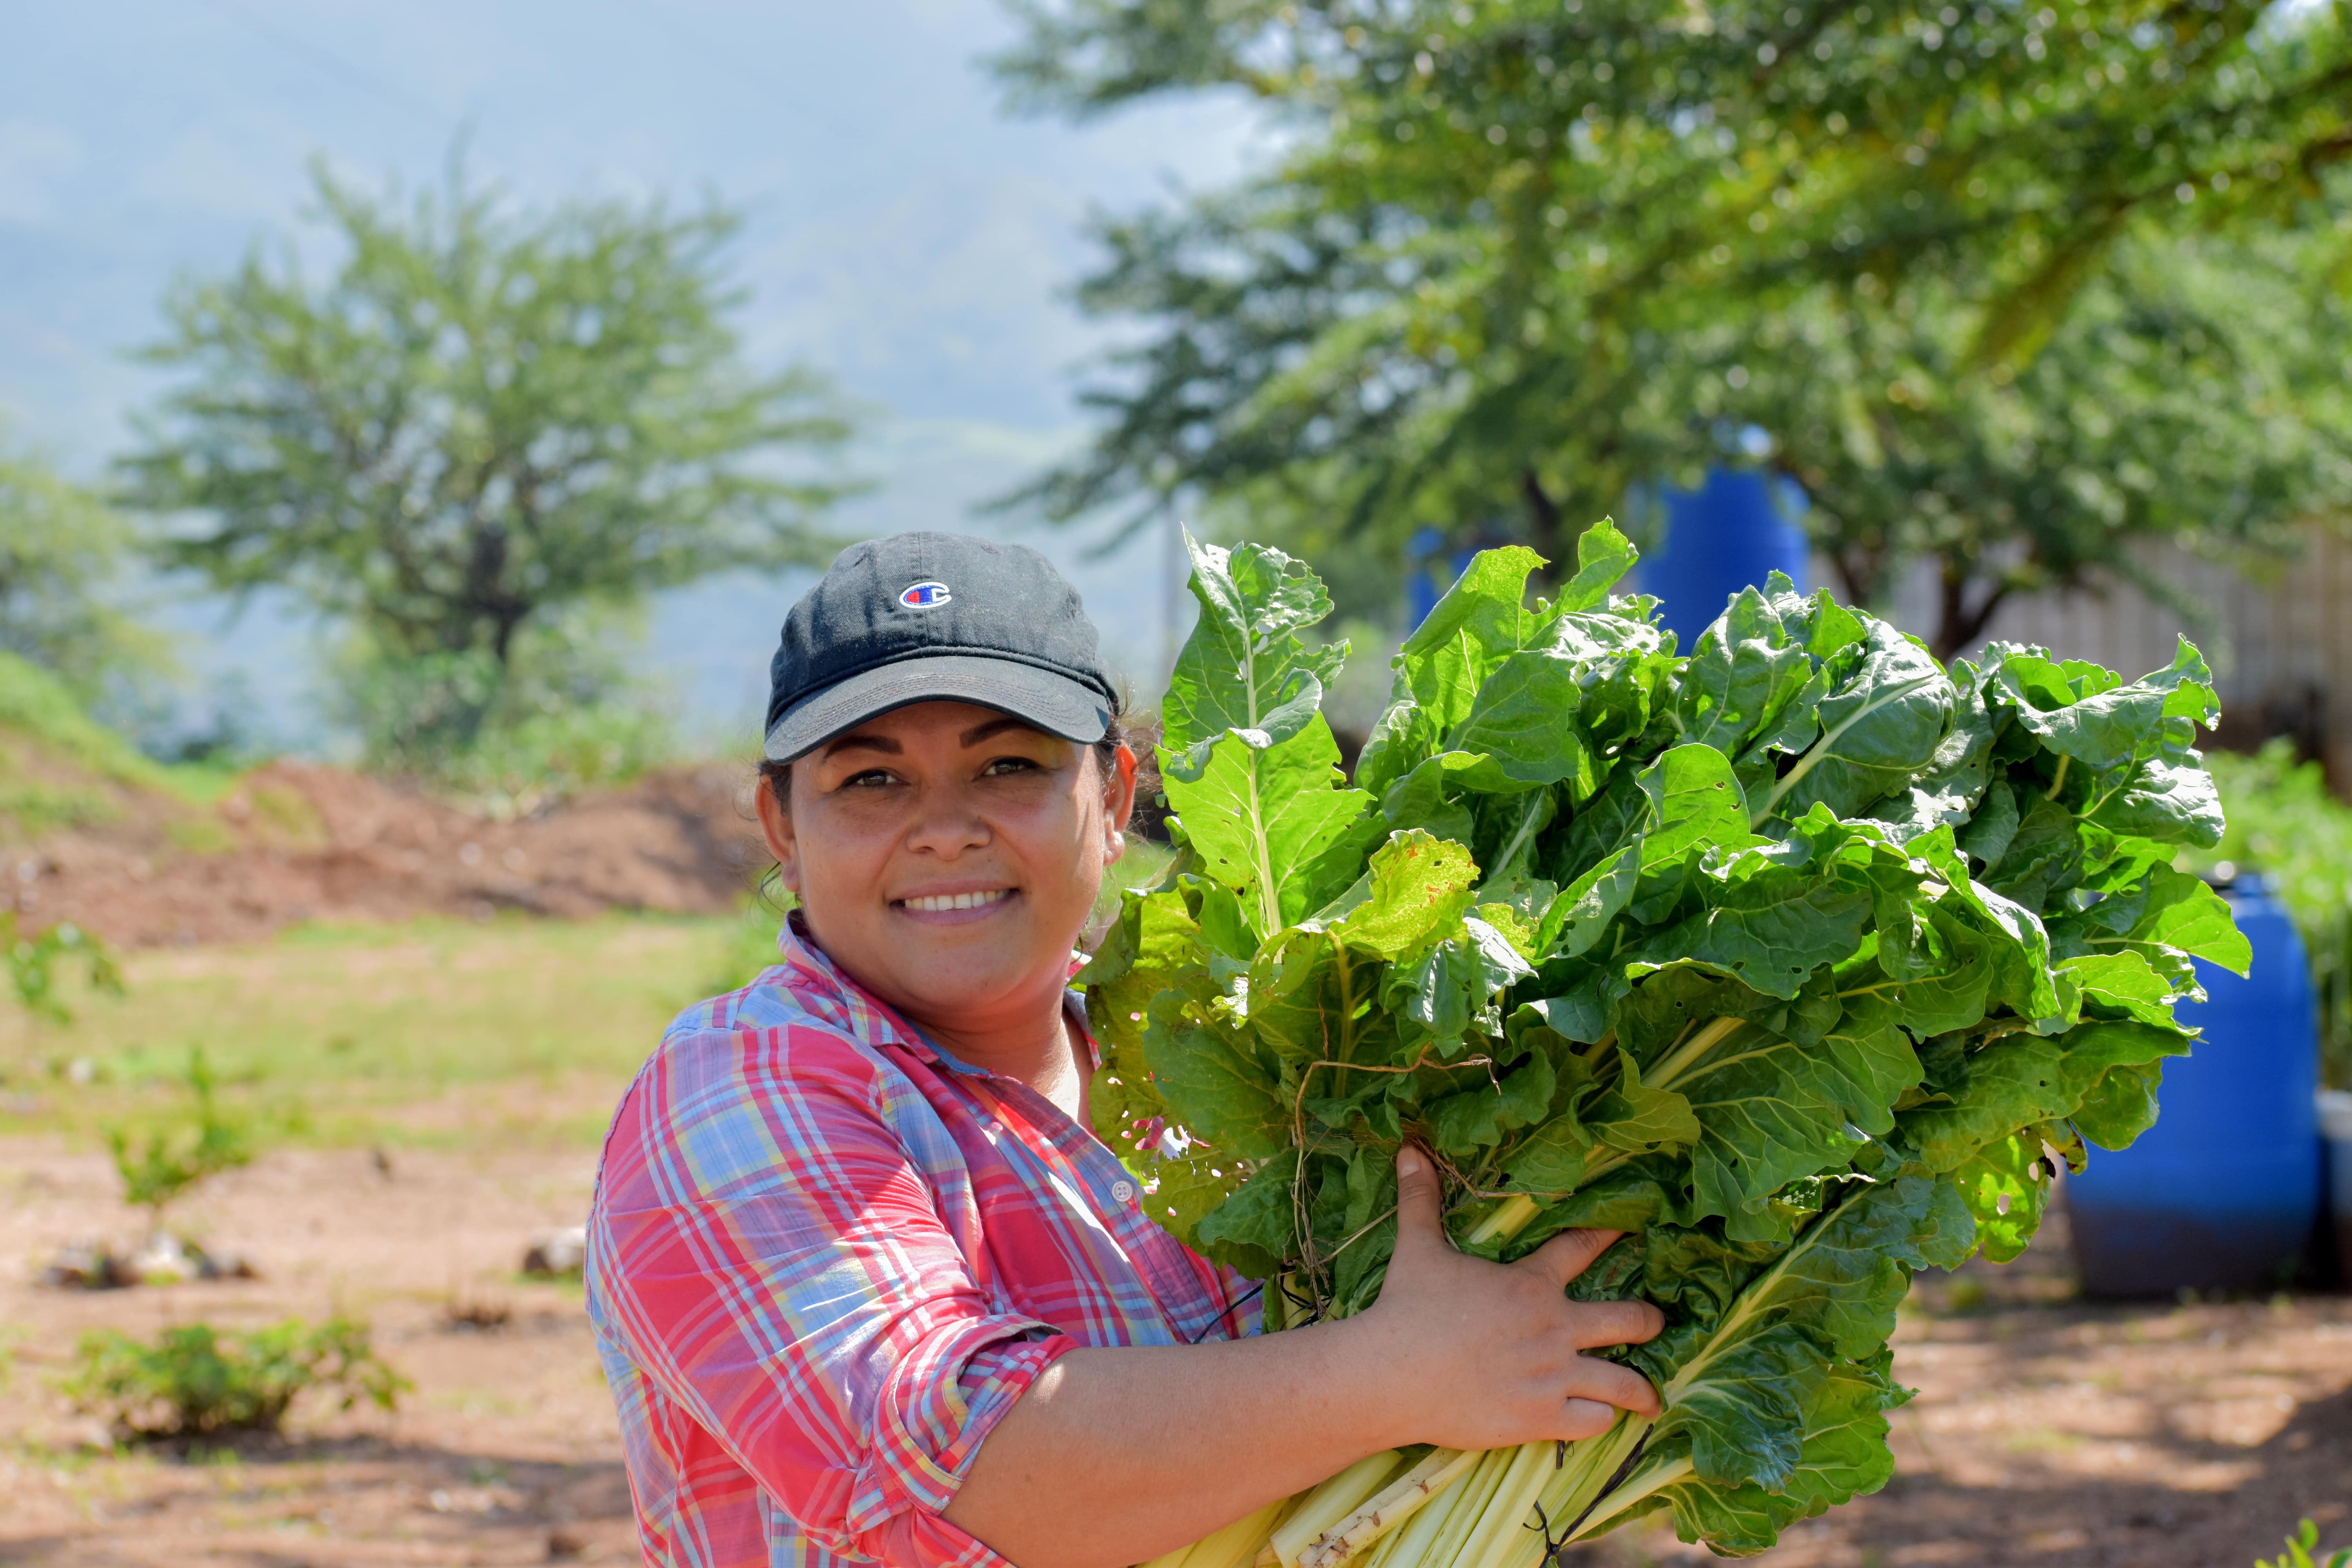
2222,1192
1735,530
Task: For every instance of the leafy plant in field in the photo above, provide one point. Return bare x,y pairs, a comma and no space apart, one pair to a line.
159,1169
2300,1549
196,1381
34,961
1800,958
2285,824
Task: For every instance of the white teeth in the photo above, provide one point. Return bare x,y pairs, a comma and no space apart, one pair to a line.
940,903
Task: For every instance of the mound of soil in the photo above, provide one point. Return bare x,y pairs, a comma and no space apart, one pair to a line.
297,841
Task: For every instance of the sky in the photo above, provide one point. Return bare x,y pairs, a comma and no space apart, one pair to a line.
902,231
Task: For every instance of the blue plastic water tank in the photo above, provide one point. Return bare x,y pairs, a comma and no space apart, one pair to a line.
2222,1192
1427,560
1733,531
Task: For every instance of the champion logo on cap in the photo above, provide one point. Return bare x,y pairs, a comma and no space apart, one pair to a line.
924,596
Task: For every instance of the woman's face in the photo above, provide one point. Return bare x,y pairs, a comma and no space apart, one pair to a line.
947,855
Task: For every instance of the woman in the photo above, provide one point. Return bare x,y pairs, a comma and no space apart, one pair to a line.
865,1285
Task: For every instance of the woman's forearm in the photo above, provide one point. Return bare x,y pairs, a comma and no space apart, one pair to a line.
1114,1456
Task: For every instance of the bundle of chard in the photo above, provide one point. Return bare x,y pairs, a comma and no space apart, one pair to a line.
1800,958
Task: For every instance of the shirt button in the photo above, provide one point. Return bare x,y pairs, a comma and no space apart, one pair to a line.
1123,1191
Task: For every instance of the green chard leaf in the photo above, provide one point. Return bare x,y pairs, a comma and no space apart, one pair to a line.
1604,556
1481,621
1244,668
1272,823
1803,961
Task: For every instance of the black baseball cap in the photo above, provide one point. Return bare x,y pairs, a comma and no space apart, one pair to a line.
923,617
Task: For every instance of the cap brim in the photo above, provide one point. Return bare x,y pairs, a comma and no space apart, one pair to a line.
1053,703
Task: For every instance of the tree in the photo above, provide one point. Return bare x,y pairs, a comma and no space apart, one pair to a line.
2185,396
1525,252
61,555
483,417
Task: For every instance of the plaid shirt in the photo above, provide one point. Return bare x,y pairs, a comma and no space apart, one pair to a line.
826,1258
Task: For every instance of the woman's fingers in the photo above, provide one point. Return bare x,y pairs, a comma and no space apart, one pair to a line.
1611,1385
1598,1323
1420,1220
1582,1418
1490,1338
1568,1254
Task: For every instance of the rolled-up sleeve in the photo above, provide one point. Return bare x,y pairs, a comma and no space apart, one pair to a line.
769,1248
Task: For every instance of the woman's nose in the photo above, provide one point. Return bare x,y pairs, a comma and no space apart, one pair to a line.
946,823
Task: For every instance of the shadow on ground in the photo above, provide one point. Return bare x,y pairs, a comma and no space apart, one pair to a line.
339,1502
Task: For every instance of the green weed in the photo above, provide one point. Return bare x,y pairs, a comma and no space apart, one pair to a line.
2301,1547
180,1154
33,962
196,1381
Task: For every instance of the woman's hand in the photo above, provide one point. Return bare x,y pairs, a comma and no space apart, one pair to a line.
1486,1355
1115,1456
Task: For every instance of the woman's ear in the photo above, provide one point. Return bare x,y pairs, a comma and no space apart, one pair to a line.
776,828
1118,803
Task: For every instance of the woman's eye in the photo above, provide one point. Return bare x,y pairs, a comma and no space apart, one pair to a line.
1005,765
869,779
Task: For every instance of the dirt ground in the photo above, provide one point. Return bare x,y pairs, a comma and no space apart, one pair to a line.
2046,1431
2049,1431
297,841
507,1452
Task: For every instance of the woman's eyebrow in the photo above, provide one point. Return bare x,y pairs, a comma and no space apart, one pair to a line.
883,744
996,726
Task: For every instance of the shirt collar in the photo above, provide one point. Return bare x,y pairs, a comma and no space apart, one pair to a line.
818,980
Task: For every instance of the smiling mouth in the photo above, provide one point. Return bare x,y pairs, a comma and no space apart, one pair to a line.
940,903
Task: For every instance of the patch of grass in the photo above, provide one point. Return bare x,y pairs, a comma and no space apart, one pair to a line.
39,809
287,816
62,770
356,1022
199,835
391,1033
746,944
35,703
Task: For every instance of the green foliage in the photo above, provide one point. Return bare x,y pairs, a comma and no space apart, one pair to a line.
2284,824
2301,1549
37,704
524,1021
160,1169
2007,289
481,420
196,1381
33,962
746,944
559,716
62,553
1801,955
